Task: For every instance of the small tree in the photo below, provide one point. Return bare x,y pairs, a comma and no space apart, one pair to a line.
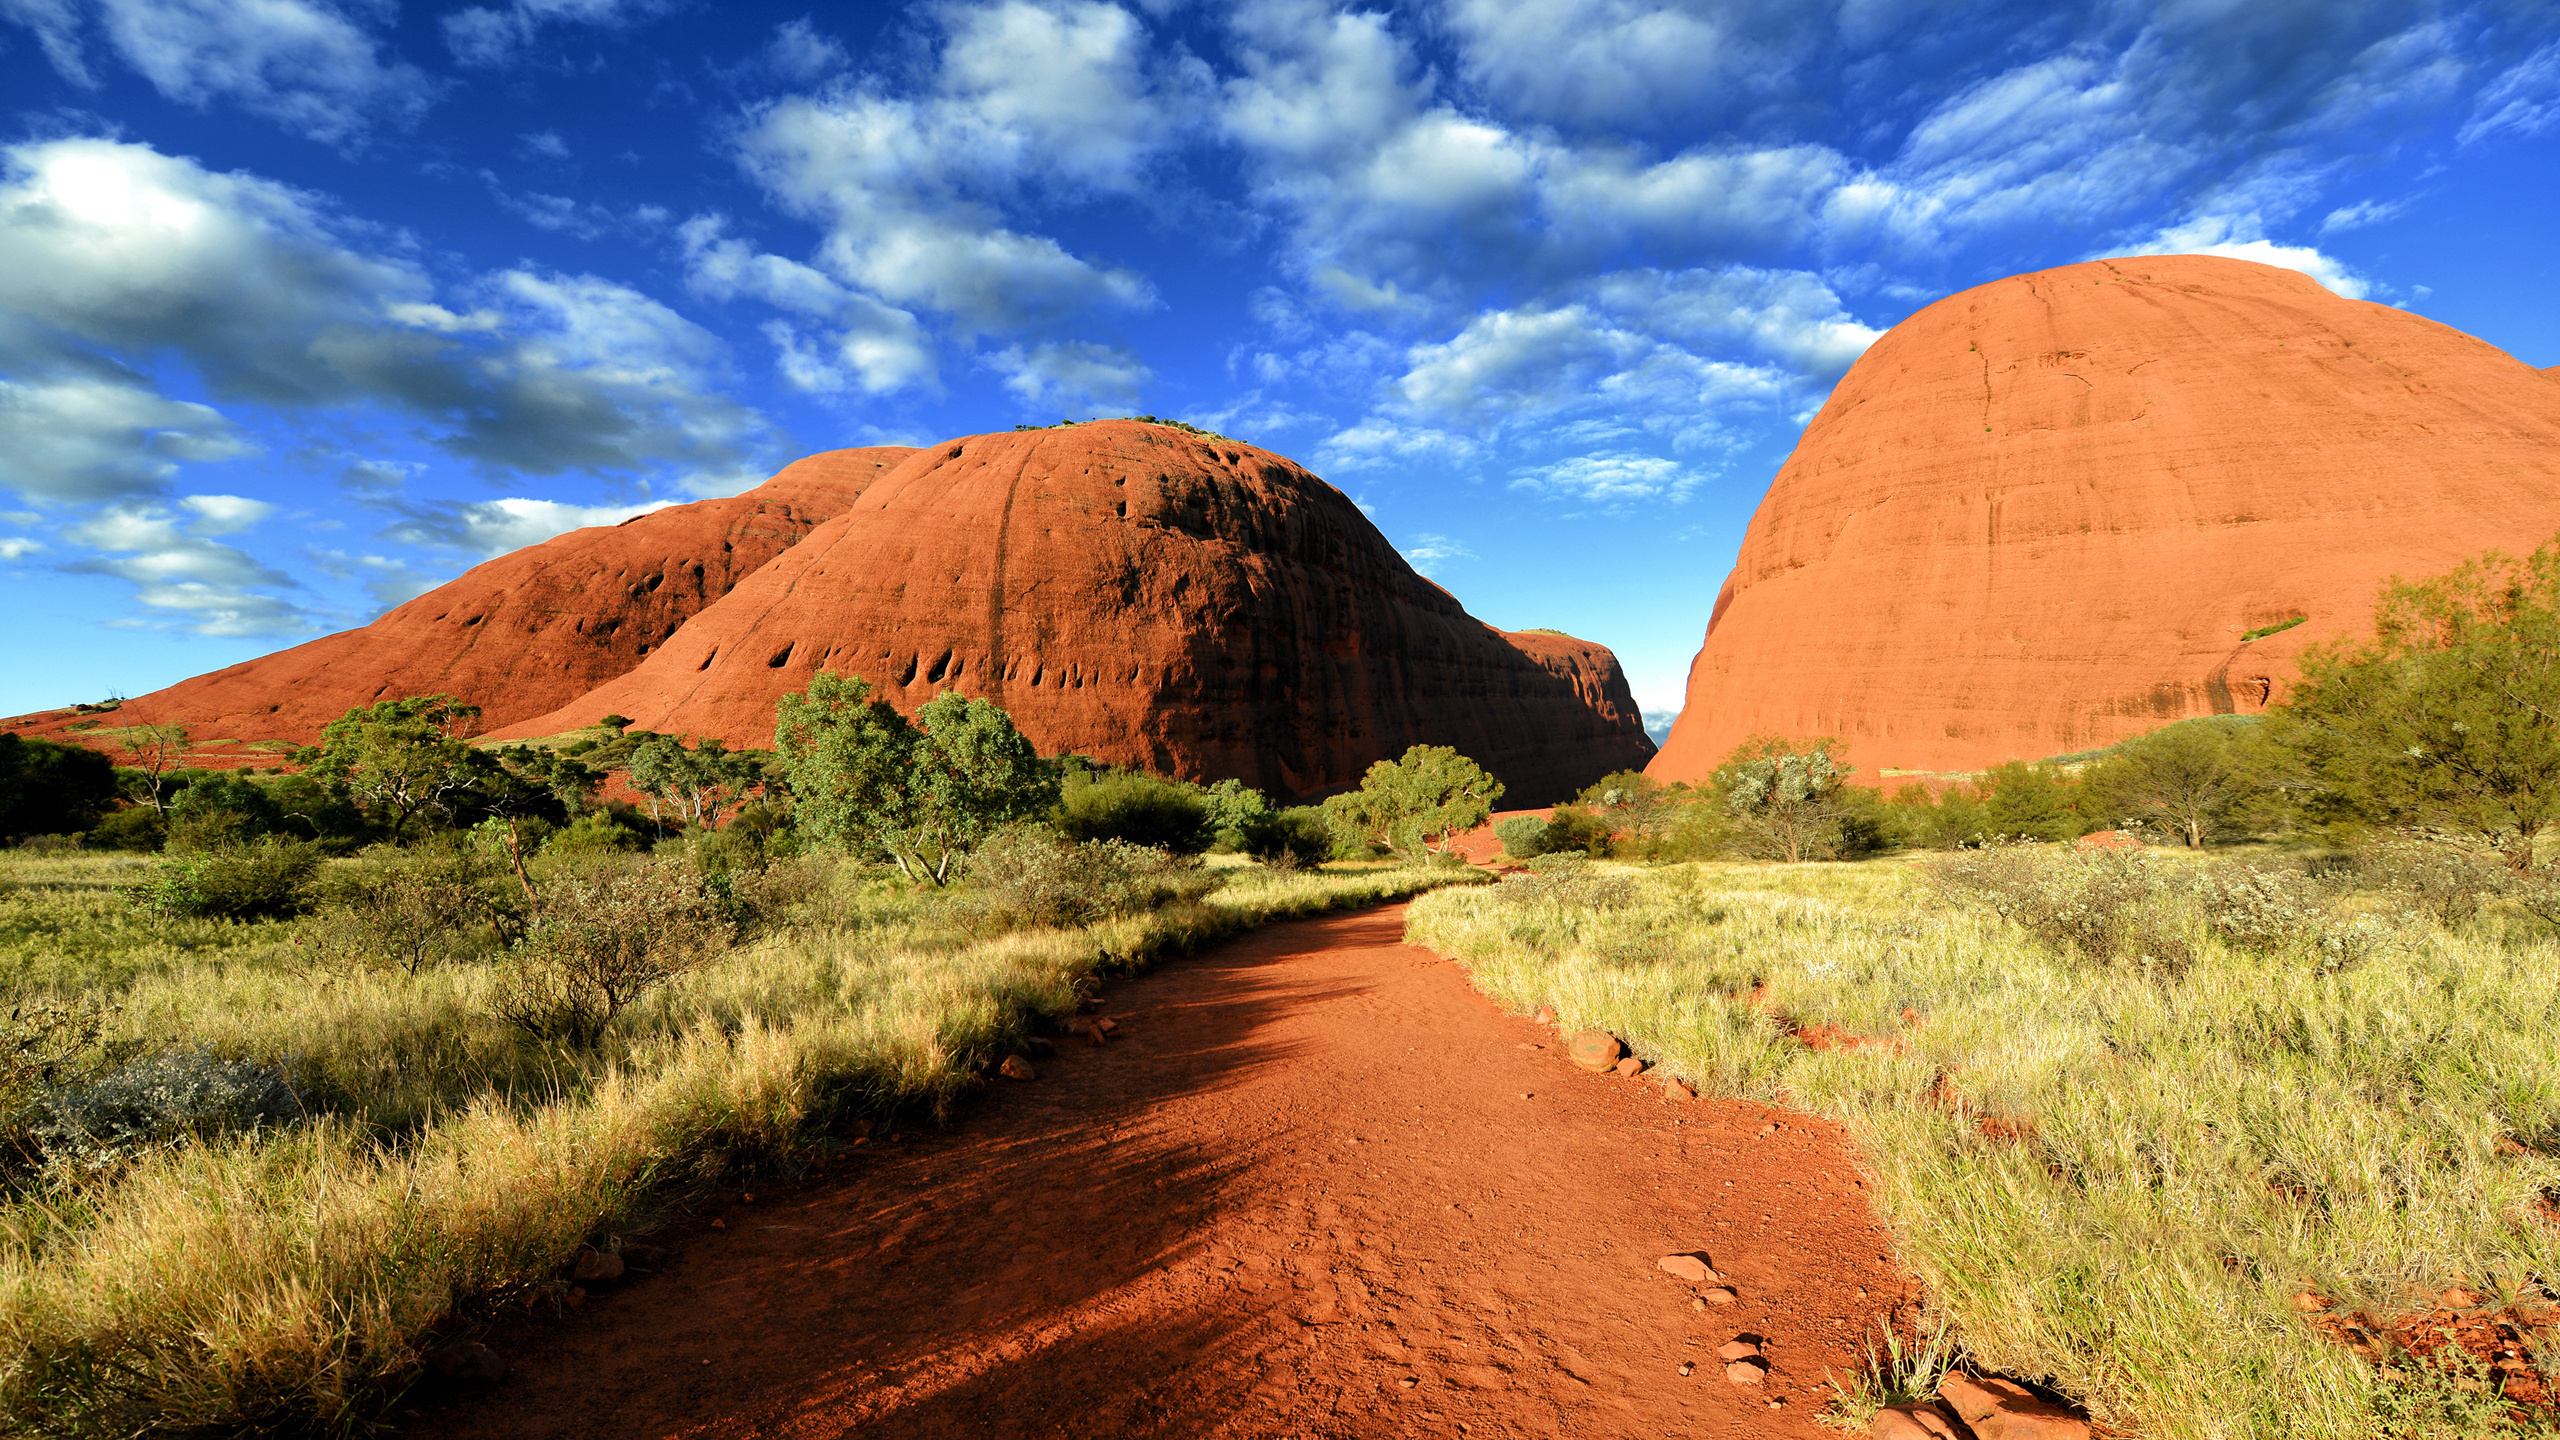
699,784
156,750
1412,805
2449,718
398,757
2193,779
921,794
1783,798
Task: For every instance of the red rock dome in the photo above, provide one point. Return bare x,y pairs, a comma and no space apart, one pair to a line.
531,629
2040,516
1147,596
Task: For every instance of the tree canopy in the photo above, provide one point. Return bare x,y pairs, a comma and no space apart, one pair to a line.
1413,804
922,793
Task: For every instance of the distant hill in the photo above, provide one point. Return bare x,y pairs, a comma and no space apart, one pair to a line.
2050,512
1146,595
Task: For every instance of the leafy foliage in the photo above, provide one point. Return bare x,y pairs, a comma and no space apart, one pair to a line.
1414,803
921,794
400,758
607,933
1136,809
50,789
2449,718
1037,877
156,1102
1784,802
267,880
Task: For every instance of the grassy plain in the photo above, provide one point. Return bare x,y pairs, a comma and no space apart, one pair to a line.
286,1280
2175,1153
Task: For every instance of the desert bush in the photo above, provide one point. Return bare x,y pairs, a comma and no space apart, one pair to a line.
596,833
1136,809
2102,906
1035,877
1523,837
265,881
45,1044
156,1102
1296,837
48,789
1577,831
414,910
220,812
2449,880
135,827
604,935
1569,880
2259,908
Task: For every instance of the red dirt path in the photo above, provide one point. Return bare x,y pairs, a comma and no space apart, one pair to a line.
1304,1192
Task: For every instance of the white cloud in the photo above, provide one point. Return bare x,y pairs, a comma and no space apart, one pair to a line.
2214,236
114,255
2361,214
307,67
18,547
493,527
546,143
2524,102
1627,62
1612,479
877,346
1070,373
389,580
799,53
1054,98
486,36
81,436
217,588
225,514
1431,554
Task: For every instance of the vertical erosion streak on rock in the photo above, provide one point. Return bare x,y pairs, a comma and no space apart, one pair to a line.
994,681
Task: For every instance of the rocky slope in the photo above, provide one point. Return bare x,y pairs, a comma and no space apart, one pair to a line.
1146,596
531,629
2040,516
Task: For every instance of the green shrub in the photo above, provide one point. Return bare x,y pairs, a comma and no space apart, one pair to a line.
1569,880
598,833
1579,831
1523,837
135,827
1297,836
50,789
2449,880
1135,809
265,881
413,910
2103,906
604,935
1033,877
221,811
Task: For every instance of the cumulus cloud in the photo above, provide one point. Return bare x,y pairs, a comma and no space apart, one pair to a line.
1055,98
206,586
1070,373
307,67
111,254
2361,214
1628,62
800,54
487,37
875,346
2215,236
493,527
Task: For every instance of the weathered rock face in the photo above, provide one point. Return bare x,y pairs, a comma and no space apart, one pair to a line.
1146,596
2039,516
532,629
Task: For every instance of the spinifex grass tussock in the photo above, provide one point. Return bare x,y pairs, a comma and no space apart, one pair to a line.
284,1279
2176,1149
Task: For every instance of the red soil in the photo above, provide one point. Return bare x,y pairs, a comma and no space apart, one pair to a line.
2038,516
525,632
1316,1185
1147,596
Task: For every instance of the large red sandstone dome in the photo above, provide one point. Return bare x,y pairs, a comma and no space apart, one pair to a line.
533,628
1147,596
2039,516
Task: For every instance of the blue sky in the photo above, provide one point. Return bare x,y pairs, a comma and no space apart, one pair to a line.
305,308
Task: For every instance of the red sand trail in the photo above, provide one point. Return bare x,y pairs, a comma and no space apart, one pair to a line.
1316,1186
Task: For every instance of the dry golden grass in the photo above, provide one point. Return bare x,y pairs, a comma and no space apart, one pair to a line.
285,1280
2185,1153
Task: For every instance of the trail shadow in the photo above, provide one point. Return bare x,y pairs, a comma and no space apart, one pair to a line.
967,1273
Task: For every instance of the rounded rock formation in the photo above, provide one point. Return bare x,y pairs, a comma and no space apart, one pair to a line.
1143,595
2047,514
534,628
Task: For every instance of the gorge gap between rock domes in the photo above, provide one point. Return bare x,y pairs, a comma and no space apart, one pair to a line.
1301,1172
